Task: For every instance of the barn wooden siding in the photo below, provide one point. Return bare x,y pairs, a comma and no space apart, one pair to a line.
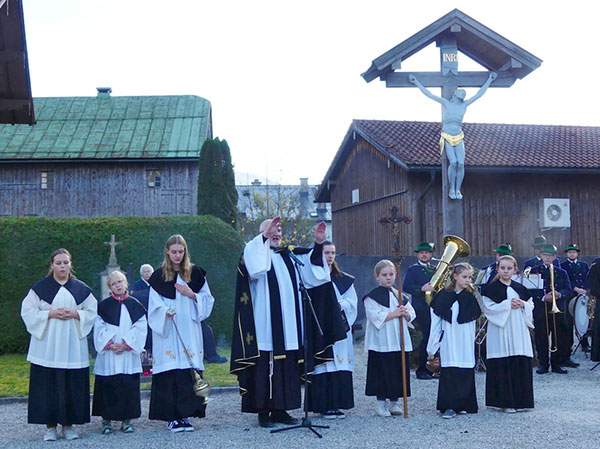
498,207
98,189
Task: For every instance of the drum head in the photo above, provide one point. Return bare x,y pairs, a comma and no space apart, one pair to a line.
581,320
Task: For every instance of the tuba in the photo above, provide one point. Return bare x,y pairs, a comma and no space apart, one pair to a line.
454,248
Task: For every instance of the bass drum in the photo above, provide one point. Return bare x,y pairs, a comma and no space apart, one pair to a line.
578,309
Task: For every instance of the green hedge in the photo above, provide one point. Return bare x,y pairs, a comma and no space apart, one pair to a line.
26,244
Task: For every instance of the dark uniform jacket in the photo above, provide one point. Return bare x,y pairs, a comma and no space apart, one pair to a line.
416,276
578,272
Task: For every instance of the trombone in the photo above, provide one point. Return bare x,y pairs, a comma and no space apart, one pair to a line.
554,311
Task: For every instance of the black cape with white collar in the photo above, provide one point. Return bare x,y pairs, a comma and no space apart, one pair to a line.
343,282
47,289
381,295
167,289
109,310
496,291
468,308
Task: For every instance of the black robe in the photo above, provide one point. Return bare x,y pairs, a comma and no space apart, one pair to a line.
594,283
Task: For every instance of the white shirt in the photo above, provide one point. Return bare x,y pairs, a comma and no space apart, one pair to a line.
457,348
384,336
109,363
508,328
167,348
259,258
58,343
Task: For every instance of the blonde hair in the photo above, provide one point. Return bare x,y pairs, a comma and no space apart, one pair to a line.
185,267
116,274
66,253
458,269
509,258
385,263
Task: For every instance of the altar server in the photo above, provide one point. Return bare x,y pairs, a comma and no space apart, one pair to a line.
508,307
59,312
385,314
119,337
454,311
178,302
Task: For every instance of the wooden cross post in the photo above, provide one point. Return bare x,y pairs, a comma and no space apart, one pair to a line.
395,219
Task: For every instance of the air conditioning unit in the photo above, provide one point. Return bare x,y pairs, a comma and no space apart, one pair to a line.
555,213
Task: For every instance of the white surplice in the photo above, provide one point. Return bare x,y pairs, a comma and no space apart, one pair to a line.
167,348
343,351
109,363
259,258
508,328
457,348
58,343
384,336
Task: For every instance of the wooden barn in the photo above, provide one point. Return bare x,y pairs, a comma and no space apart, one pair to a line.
104,156
521,180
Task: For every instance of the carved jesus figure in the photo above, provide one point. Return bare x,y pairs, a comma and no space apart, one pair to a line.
453,112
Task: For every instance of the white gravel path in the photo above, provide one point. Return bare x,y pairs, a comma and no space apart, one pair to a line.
566,415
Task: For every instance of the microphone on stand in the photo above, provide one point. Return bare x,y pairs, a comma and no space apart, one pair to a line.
295,258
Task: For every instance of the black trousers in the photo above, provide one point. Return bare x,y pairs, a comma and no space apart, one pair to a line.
423,319
540,313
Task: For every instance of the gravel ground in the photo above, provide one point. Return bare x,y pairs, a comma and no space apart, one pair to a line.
566,415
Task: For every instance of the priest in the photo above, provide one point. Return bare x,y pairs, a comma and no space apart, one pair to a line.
267,349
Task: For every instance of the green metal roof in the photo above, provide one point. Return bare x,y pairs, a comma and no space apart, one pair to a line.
110,128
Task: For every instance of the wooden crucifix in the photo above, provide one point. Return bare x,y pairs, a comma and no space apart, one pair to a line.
112,260
395,219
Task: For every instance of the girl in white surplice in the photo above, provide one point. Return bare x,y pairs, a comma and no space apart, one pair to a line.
59,312
385,314
119,337
508,307
179,301
454,311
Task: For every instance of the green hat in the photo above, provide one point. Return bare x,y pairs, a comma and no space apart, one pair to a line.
504,248
548,248
539,241
424,246
572,246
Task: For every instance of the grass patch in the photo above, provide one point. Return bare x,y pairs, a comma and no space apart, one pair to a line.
14,375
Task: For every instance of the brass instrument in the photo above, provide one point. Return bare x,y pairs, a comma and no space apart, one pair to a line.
591,308
454,247
554,311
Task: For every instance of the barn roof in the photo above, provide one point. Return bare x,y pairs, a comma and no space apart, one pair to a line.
107,127
480,43
489,146
16,104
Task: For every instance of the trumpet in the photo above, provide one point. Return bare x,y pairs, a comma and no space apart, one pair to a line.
554,311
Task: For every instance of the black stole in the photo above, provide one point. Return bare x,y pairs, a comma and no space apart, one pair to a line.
496,291
47,289
109,310
468,308
167,289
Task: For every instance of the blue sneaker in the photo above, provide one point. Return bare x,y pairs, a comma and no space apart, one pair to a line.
186,425
176,426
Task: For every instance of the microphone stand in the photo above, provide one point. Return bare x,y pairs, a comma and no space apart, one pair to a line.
306,304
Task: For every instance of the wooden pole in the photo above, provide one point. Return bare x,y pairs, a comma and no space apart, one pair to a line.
395,219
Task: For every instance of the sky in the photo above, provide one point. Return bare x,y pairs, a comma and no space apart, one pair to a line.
284,78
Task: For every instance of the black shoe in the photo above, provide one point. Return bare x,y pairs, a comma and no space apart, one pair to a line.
176,426
559,370
542,369
216,359
264,420
570,363
283,417
424,376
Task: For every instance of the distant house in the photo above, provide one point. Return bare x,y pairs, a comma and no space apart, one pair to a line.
104,156
521,180
297,200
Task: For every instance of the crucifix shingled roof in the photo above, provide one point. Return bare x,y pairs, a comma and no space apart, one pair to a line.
504,61
478,42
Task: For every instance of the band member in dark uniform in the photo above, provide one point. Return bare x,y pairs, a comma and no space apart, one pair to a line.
541,312
594,283
491,270
416,283
578,272
536,260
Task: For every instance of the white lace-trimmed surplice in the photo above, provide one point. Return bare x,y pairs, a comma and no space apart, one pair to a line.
57,343
167,349
259,258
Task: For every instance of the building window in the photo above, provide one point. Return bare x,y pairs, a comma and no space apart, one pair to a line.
154,178
355,196
45,180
